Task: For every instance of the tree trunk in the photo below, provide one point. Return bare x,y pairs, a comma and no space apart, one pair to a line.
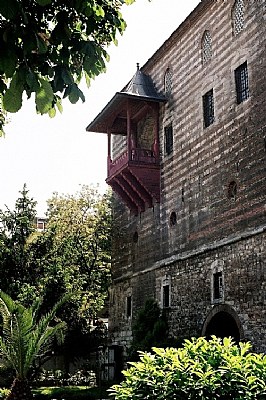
20,390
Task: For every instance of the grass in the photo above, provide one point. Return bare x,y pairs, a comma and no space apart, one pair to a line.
70,393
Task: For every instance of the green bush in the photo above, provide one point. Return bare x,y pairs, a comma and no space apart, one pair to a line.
199,370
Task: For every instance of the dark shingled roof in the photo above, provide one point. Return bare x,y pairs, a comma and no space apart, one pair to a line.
142,85
140,88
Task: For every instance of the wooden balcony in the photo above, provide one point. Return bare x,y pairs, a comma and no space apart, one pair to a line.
135,177
134,113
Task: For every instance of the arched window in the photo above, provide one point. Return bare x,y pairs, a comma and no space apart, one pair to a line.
238,16
168,82
206,47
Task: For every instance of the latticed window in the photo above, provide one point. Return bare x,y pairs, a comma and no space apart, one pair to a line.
206,47
242,86
238,16
208,108
168,82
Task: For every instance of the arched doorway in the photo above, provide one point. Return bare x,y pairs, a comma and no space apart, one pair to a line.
222,322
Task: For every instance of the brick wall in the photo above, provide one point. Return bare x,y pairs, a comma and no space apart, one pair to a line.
195,180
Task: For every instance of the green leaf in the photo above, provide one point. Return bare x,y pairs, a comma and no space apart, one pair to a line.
67,77
52,112
32,82
44,97
9,8
8,63
43,2
59,105
12,99
74,94
42,46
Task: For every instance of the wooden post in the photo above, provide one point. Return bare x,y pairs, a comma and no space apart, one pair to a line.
129,144
108,151
156,147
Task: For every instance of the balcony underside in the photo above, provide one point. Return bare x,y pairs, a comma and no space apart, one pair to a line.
137,184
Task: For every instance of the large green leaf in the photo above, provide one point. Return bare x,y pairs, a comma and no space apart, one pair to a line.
8,62
12,99
32,81
9,8
44,97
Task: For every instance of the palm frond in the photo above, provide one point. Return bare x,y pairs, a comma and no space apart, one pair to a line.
25,337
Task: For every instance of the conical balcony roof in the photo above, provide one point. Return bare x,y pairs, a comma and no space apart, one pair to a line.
140,88
142,85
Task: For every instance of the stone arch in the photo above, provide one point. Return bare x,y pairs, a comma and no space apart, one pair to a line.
223,321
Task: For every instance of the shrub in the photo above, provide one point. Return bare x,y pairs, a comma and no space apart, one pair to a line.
199,370
150,329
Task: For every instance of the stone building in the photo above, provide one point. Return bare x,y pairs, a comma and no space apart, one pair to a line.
187,163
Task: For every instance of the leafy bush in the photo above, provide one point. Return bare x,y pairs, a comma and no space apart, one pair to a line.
150,329
199,370
4,393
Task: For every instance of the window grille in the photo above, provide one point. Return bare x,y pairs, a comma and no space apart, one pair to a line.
168,82
206,47
242,86
168,139
238,16
208,108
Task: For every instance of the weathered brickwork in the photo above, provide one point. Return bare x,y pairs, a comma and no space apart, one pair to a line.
219,232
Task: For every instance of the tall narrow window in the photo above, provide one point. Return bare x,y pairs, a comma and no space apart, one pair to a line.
217,285
208,108
168,82
206,47
238,16
242,86
129,306
168,139
166,296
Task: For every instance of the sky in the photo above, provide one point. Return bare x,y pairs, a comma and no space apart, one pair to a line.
58,155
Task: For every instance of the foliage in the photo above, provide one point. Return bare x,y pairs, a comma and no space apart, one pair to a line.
4,392
70,392
73,254
15,228
26,337
201,369
150,329
58,378
47,46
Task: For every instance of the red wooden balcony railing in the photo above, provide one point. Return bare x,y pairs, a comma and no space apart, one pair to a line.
137,156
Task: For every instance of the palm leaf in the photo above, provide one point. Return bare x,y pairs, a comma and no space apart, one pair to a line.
25,337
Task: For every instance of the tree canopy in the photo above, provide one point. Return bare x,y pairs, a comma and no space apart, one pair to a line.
72,254
48,46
